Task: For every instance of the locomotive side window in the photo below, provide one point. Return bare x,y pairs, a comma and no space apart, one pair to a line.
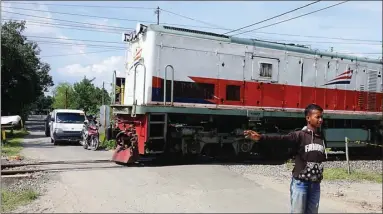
265,70
191,90
233,92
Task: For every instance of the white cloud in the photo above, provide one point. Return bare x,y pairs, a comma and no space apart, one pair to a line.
103,25
77,47
37,28
103,71
31,27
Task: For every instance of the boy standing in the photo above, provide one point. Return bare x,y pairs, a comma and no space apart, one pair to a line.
310,153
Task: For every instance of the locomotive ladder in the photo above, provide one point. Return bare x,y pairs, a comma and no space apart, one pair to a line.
157,135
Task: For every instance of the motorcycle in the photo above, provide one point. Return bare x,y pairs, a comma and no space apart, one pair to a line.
90,136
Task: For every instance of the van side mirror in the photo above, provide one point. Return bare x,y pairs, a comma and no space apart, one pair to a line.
53,119
85,122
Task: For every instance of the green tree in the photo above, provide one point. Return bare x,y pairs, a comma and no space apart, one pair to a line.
24,77
89,97
43,104
82,95
64,96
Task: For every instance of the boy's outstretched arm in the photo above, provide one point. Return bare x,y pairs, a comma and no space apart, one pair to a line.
291,137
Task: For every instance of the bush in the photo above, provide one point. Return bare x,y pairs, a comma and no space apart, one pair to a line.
106,144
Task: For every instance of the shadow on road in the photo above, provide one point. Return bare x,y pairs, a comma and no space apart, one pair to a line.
206,161
48,145
35,123
36,128
34,136
85,168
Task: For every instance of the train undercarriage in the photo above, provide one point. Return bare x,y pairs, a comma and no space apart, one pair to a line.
188,136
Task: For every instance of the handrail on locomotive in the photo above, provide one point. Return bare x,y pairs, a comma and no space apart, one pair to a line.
172,85
134,88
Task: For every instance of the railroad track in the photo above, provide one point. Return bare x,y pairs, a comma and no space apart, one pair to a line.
6,169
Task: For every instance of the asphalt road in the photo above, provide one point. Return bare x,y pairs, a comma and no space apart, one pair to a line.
189,188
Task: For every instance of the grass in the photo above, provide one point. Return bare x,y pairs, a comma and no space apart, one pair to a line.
290,164
331,174
10,200
12,146
106,144
341,174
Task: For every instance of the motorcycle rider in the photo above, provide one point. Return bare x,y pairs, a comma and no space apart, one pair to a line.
91,121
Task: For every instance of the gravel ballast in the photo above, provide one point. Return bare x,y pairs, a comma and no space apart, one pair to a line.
363,195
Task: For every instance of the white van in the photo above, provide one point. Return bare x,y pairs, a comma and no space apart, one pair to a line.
66,125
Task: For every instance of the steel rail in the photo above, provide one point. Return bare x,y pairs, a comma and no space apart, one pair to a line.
14,172
54,162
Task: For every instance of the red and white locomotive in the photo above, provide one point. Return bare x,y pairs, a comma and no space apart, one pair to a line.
217,86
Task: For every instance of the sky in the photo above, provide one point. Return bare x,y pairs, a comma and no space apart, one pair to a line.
84,38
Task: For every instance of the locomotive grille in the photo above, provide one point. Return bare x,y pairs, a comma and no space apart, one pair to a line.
361,97
372,88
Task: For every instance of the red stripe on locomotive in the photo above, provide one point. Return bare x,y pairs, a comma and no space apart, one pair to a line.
289,96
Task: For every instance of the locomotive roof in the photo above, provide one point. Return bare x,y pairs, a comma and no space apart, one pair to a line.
254,42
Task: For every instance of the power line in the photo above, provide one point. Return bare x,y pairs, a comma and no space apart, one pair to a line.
115,31
292,18
267,40
320,37
114,47
66,20
95,6
80,53
273,17
103,17
260,32
125,7
319,42
76,44
122,48
82,40
277,40
68,26
84,15
186,17
221,28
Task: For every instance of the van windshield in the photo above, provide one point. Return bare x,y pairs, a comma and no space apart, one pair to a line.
70,118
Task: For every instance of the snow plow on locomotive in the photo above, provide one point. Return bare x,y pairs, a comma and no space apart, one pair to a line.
217,86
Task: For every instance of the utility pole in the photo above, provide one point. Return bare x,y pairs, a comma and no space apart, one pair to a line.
158,15
104,107
102,92
66,98
113,100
